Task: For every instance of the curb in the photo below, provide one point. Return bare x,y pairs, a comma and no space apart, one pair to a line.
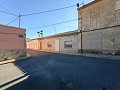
89,55
13,60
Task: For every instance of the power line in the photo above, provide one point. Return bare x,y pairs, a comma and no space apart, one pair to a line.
18,16
36,12
5,8
54,24
49,10
8,13
12,21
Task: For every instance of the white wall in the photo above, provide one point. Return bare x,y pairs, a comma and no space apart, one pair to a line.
74,39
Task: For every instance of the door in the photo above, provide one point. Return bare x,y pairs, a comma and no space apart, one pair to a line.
57,45
40,46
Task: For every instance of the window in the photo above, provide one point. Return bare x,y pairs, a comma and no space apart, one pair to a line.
67,44
117,6
49,44
20,36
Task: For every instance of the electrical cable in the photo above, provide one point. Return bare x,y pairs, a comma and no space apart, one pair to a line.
8,13
12,21
49,10
5,8
38,13
54,24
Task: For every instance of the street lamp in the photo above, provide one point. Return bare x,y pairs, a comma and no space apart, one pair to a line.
38,34
41,32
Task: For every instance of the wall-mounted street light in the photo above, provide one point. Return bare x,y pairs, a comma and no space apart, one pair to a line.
77,5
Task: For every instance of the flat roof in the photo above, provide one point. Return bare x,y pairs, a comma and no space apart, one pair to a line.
12,27
89,4
59,35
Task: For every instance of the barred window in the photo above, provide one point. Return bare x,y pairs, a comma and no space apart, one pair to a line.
117,5
67,44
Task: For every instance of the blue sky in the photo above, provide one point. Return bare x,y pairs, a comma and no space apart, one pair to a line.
31,6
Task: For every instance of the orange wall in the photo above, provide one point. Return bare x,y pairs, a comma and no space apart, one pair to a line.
32,44
9,38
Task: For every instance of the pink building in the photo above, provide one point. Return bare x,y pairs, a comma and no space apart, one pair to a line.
12,42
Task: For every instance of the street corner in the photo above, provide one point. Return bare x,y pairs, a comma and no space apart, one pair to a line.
13,60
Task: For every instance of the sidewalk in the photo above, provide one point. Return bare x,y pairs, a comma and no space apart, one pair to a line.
89,55
13,60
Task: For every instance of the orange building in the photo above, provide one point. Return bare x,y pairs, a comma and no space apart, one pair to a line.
62,42
12,42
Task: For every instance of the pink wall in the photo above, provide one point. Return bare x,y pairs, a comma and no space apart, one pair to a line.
11,38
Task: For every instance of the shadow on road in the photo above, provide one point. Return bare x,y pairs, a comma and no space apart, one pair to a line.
47,71
39,78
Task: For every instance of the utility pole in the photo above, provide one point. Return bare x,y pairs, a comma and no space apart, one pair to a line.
19,20
81,26
81,34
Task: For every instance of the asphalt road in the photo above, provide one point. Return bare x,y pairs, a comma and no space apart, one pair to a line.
48,71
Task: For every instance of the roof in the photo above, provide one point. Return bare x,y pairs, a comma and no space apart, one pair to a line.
27,39
12,27
75,32
89,4
62,34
